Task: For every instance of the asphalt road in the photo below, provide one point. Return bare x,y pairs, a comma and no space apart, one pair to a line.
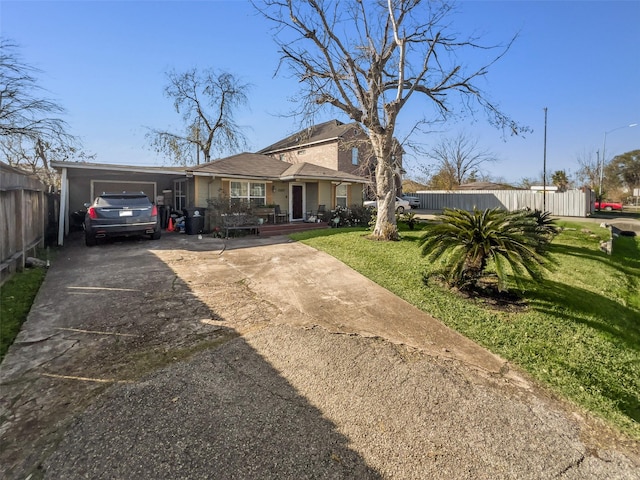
263,358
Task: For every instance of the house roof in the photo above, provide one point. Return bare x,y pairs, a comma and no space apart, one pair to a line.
254,165
322,132
243,165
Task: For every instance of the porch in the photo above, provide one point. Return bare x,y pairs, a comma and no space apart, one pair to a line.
270,229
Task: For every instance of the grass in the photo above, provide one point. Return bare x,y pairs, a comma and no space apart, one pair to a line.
580,331
16,297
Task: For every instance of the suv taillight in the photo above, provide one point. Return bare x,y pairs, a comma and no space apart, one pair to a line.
92,213
154,211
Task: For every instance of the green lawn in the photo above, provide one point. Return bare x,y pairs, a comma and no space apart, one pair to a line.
580,331
16,297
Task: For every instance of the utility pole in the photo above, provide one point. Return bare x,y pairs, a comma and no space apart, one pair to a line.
544,165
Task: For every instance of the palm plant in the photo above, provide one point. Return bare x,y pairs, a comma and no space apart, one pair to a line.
468,242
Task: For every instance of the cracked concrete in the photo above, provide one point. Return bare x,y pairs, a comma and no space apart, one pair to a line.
189,358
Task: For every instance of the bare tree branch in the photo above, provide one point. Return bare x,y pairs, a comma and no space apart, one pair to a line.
32,132
207,102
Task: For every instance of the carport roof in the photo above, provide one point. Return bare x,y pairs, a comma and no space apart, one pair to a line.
119,168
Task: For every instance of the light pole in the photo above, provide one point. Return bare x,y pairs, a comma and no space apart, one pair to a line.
604,146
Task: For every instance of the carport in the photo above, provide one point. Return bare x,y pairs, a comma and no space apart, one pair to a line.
80,182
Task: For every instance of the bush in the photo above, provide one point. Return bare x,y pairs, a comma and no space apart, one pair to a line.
354,216
466,243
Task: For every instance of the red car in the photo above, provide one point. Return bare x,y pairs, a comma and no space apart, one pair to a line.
608,206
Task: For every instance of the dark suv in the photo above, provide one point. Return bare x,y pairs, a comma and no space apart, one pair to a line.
120,214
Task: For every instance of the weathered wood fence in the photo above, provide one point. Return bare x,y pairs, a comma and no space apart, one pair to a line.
23,218
574,203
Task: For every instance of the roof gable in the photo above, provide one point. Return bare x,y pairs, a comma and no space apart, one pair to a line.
331,130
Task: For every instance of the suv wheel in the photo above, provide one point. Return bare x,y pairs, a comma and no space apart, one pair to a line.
156,235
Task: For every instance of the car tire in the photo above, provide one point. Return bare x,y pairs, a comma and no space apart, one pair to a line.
156,235
607,209
90,240
400,210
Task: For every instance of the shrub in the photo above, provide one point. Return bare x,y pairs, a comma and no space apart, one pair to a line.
466,242
354,216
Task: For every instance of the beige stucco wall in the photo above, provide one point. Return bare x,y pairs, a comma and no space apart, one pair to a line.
324,155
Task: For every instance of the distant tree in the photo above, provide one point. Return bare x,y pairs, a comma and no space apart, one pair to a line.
443,179
560,180
208,102
588,173
472,177
368,59
626,169
31,130
459,158
527,182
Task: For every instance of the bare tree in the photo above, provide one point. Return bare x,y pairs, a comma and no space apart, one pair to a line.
458,159
588,173
368,59
31,130
207,103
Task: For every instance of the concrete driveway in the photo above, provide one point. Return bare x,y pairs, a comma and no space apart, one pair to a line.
264,358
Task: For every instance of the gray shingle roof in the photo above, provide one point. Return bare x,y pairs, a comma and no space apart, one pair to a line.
314,134
244,165
253,165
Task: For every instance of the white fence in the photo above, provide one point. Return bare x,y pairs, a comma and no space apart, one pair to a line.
574,203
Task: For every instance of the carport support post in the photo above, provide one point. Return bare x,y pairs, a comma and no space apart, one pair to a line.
64,199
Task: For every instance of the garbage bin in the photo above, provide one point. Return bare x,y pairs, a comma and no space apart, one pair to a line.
193,220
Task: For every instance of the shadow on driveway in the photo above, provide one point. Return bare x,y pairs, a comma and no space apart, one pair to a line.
109,316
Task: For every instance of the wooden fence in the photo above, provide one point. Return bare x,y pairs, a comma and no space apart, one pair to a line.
574,203
23,218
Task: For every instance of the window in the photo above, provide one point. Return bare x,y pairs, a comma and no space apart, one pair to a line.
180,194
354,156
341,195
255,194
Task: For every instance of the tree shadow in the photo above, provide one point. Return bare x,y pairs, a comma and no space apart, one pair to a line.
617,322
123,370
625,256
600,313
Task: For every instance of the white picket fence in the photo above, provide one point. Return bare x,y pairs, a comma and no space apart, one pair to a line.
574,203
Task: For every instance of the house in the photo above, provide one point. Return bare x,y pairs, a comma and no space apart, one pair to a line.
261,180
297,188
328,164
334,145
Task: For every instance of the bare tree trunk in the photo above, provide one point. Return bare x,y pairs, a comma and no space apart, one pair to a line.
385,228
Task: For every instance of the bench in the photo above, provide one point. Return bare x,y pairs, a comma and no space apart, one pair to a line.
268,212
240,221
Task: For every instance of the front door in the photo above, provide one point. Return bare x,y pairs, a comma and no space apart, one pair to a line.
297,203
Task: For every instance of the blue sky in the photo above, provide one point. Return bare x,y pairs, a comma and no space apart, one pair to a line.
105,63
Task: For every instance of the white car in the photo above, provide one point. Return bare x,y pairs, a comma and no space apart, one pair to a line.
401,205
413,201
